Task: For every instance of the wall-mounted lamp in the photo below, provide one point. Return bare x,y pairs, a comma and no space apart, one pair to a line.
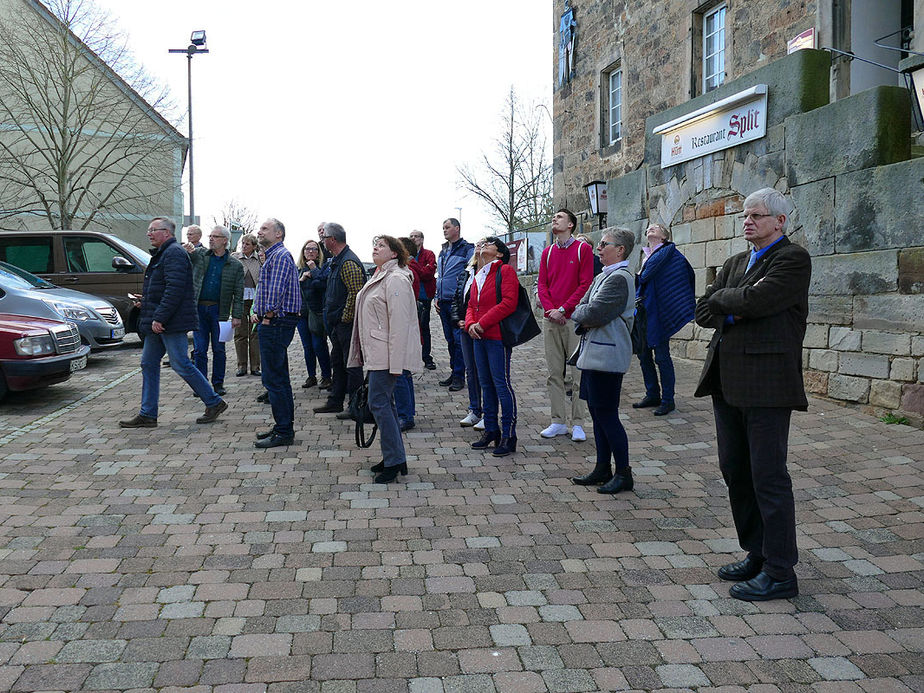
596,193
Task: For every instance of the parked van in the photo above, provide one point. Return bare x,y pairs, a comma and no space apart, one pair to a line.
90,261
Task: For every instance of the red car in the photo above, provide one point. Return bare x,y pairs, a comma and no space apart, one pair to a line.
35,352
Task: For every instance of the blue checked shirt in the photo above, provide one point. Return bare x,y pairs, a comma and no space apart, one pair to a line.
278,289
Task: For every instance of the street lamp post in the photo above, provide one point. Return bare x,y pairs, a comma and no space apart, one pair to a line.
196,45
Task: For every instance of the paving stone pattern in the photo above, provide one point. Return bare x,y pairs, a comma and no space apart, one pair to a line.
181,558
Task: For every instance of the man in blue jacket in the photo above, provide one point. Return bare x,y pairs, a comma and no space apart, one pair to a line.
168,313
453,257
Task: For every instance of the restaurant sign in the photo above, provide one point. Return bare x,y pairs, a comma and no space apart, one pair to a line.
727,123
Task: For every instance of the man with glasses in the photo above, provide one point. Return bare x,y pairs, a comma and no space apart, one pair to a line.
758,306
167,314
426,265
218,280
566,270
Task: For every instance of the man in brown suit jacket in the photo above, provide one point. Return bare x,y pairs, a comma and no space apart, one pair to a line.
758,305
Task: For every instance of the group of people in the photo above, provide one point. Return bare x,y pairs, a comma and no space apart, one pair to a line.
596,312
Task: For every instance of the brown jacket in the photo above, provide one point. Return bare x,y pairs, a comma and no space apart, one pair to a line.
386,335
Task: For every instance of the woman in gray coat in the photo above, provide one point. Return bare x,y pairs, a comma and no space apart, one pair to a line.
604,321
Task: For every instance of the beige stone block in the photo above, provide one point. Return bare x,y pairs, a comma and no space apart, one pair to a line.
868,365
844,339
885,393
699,277
681,234
695,253
727,226
876,342
816,382
902,369
697,350
848,388
816,336
738,245
717,252
917,346
823,360
702,230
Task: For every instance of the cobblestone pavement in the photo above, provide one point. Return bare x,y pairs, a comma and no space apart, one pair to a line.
182,558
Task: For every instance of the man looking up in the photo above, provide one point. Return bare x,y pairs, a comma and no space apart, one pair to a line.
346,277
566,270
218,281
426,265
277,305
453,257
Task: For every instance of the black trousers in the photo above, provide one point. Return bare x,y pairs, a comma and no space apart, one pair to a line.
344,381
753,443
423,320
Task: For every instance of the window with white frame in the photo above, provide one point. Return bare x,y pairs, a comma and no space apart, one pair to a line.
614,106
713,48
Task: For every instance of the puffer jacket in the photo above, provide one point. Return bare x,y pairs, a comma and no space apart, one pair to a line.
167,296
460,300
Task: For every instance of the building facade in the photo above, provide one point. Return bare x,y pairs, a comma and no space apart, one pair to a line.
685,107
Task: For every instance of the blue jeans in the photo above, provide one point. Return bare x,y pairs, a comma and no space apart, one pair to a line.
453,334
471,375
174,344
492,359
205,333
382,405
405,403
315,348
274,345
662,357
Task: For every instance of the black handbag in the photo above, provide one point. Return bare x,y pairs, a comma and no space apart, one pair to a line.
362,415
639,328
520,326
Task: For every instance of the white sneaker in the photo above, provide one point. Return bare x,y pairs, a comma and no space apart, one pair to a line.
479,426
553,430
469,420
578,435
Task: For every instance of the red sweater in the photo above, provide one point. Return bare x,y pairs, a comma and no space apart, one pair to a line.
483,308
563,278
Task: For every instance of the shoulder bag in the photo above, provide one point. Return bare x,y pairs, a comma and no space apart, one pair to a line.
520,326
362,415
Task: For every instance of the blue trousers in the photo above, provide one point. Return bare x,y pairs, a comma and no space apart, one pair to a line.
274,345
661,356
382,405
453,334
471,375
315,348
602,391
405,402
492,359
206,333
174,344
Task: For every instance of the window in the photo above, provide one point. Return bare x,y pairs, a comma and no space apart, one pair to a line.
88,255
31,253
614,107
713,48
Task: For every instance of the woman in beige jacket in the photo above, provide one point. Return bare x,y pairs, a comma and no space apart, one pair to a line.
386,342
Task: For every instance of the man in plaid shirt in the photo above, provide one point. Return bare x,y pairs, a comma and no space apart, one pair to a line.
277,305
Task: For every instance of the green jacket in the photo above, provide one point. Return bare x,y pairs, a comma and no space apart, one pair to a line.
231,299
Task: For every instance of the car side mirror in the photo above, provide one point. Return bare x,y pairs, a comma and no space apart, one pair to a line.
119,263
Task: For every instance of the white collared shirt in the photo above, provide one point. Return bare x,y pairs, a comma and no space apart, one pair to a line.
483,274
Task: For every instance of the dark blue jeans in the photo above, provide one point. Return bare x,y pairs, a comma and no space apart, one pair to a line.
610,437
660,355
315,348
382,404
405,401
471,375
453,334
492,359
274,345
174,344
205,333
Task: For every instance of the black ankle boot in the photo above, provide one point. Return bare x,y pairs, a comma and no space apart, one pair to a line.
391,473
380,467
505,447
488,439
600,475
621,481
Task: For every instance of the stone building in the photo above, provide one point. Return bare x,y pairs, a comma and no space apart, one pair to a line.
684,107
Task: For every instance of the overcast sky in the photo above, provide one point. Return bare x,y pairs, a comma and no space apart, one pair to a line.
353,112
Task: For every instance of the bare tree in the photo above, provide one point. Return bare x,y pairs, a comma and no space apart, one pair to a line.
82,142
514,180
237,217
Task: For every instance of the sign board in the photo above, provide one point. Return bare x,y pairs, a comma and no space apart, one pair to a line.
727,123
917,78
804,40
518,253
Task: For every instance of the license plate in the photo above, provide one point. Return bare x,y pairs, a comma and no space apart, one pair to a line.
77,364
118,332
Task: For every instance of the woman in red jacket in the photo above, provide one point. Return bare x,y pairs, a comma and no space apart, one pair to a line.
492,358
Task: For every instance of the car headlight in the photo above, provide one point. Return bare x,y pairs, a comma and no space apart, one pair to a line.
34,346
71,311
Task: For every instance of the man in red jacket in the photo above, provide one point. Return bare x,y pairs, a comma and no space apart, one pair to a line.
566,270
426,263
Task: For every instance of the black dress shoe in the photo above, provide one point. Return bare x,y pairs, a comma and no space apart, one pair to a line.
264,398
664,408
742,570
240,372
647,402
456,384
212,413
255,371
390,473
325,384
621,481
275,441
263,435
505,447
220,390
328,409
430,366
406,426
597,476
376,468
763,588
345,415
445,381
488,439
310,381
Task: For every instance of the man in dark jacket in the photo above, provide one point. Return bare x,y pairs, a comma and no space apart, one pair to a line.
168,313
453,257
758,305
218,284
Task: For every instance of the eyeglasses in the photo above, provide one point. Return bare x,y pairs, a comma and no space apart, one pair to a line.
153,230
603,244
218,236
310,249
417,235
754,217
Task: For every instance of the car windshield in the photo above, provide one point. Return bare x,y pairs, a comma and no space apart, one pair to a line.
143,257
31,279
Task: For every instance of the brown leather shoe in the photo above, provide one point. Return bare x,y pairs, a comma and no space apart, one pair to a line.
211,413
139,421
